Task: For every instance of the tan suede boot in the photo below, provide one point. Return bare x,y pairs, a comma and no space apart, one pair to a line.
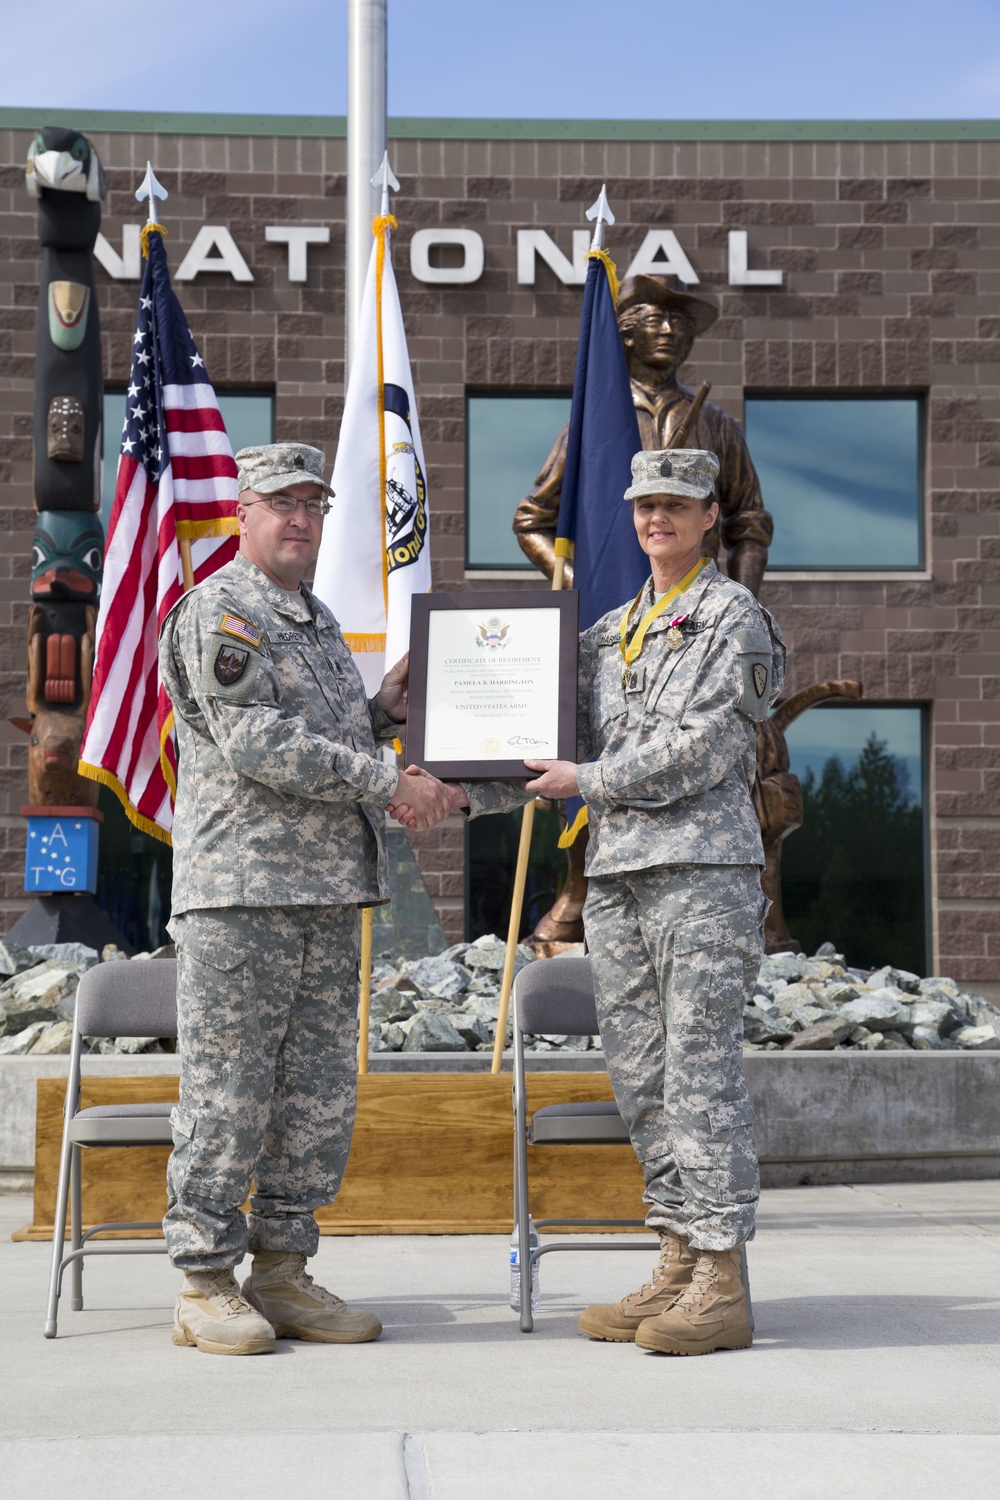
211,1315
713,1312
281,1289
617,1322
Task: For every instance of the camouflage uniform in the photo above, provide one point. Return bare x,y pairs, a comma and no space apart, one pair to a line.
278,838
674,913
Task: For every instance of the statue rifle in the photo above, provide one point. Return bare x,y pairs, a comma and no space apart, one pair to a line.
680,437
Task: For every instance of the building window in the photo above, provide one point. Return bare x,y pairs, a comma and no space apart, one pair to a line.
507,440
248,415
854,874
134,871
842,478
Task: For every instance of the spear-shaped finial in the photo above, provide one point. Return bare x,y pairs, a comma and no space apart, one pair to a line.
151,189
600,211
385,180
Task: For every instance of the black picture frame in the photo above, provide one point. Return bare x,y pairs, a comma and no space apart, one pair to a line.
565,602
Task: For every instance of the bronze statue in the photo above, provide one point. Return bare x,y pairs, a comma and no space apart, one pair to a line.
659,320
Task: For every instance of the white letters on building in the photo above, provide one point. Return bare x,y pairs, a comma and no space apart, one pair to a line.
471,243
538,243
128,265
738,273
660,254
296,237
213,237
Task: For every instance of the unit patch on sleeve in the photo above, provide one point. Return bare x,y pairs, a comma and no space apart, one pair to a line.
230,664
241,629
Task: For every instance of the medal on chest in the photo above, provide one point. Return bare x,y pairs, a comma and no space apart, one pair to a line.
634,679
675,636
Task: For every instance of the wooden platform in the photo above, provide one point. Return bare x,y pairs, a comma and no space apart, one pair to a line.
432,1154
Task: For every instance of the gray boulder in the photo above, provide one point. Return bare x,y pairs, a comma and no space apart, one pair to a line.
879,1010
22,1042
935,1015
471,1029
14,960
34,994
977,1038
902,979
433,1033
77,954
484,1006
489,952
391,1005
441,977
823,1036
760,1027
393,1037
53,1040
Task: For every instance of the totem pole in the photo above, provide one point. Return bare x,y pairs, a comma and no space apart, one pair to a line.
65,175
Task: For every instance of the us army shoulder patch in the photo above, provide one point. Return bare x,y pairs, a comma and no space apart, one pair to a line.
230,664
230,671
241,629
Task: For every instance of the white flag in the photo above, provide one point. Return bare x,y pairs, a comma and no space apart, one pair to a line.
375,552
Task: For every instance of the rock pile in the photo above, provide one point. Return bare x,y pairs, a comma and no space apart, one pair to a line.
818,1004
450,1003
37,994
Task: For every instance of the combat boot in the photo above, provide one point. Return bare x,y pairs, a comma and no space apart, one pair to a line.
617,1322
712,1313
281,1289
211,1314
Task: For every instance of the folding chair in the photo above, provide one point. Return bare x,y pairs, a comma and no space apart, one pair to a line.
557,995
116,999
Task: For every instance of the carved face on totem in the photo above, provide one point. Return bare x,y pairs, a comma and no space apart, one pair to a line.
66,426
67,556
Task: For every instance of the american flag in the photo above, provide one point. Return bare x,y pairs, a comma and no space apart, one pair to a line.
176,482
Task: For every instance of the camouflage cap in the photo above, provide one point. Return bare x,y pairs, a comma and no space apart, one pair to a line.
274,466
673,471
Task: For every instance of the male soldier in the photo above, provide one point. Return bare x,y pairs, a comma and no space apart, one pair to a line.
659,321
278,839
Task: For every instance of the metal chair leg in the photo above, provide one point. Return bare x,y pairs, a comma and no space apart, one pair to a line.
76,1229
58,1241
523,1230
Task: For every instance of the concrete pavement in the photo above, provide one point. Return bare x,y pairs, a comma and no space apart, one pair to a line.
876,1372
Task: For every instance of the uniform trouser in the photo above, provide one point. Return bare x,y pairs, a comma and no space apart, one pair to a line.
675,953
267,1011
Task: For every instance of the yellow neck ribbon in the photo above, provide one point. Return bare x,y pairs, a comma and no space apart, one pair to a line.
631,650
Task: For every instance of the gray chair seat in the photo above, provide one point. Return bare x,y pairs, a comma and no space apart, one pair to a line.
123,1125
585,1123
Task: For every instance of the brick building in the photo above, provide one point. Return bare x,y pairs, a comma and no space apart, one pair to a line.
852,263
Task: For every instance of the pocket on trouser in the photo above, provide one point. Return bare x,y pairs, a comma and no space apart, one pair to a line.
717,1160
214,988
714,958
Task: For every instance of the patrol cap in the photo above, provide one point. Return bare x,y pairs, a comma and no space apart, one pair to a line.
673,471
274,466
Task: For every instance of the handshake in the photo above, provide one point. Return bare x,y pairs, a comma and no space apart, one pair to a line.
421,801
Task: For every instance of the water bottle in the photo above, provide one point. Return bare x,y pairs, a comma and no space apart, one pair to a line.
515,1268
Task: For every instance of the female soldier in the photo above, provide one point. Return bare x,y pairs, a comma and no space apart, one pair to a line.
671,687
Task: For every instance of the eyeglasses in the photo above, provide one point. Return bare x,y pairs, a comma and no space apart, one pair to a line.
287,505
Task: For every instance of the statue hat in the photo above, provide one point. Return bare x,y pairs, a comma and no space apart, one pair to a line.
673,471
273,466
667,291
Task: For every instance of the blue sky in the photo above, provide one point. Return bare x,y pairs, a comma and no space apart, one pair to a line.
733,59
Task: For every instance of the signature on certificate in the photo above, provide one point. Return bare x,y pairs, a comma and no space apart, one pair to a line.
523,739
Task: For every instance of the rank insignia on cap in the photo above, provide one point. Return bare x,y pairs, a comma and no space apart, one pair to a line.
233,625
230,664
666,468
760,679
299,461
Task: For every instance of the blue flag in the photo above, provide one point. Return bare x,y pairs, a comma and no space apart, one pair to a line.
609,566
595,524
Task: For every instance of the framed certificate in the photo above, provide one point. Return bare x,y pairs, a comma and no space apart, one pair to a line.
493,678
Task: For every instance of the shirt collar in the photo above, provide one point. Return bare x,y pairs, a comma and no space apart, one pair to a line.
291,605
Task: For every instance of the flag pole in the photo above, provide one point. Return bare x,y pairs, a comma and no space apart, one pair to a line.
151,189
383,180
601,212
